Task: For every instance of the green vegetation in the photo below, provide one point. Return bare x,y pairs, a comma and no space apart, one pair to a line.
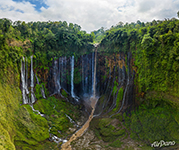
119,99
107,131
154,120
155,51
44,40
18,123
55,111
99,35
20,127
154,46
116,144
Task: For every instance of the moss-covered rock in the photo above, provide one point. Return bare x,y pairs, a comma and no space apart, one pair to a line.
155,120
32,128
19,125
55,111
9,103
105,130
21,128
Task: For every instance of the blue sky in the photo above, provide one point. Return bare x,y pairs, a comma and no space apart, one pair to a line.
89,14
37,4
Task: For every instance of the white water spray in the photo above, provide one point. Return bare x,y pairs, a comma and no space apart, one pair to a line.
92,90
39,113
72,76
24,96
32,82
94,82
26,76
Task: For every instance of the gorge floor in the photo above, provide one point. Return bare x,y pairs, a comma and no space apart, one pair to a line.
67,146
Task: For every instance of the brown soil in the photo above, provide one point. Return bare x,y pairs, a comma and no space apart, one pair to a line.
67,146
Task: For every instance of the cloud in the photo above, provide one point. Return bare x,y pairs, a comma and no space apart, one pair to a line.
90,14
145,6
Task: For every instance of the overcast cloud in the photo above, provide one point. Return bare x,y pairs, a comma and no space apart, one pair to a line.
89,14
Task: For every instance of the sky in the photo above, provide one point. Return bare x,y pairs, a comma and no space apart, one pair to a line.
89,14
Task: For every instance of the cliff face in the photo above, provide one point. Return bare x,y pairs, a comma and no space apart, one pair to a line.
18,123
114,80
73,79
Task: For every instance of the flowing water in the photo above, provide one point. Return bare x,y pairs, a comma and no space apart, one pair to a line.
93,100
32,82
24,91
67,146
72,76
94,76
42,89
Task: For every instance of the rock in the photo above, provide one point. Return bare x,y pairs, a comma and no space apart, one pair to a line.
72,129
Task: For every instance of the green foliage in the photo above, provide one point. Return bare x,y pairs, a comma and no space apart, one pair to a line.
19,124
98,35
119,99
38,91
55,110
77,76
153,121
44,40
106,131
155,49
32,128
154,46
64,93
116,143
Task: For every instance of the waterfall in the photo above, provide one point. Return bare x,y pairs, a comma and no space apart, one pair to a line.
65,72
38,112
26,80
42,89
32,82
72,76
55,74
92,87
24,96
61,70
73,122
83,75
94,82
43,92
58,78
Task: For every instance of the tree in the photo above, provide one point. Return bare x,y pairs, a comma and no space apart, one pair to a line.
178,14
